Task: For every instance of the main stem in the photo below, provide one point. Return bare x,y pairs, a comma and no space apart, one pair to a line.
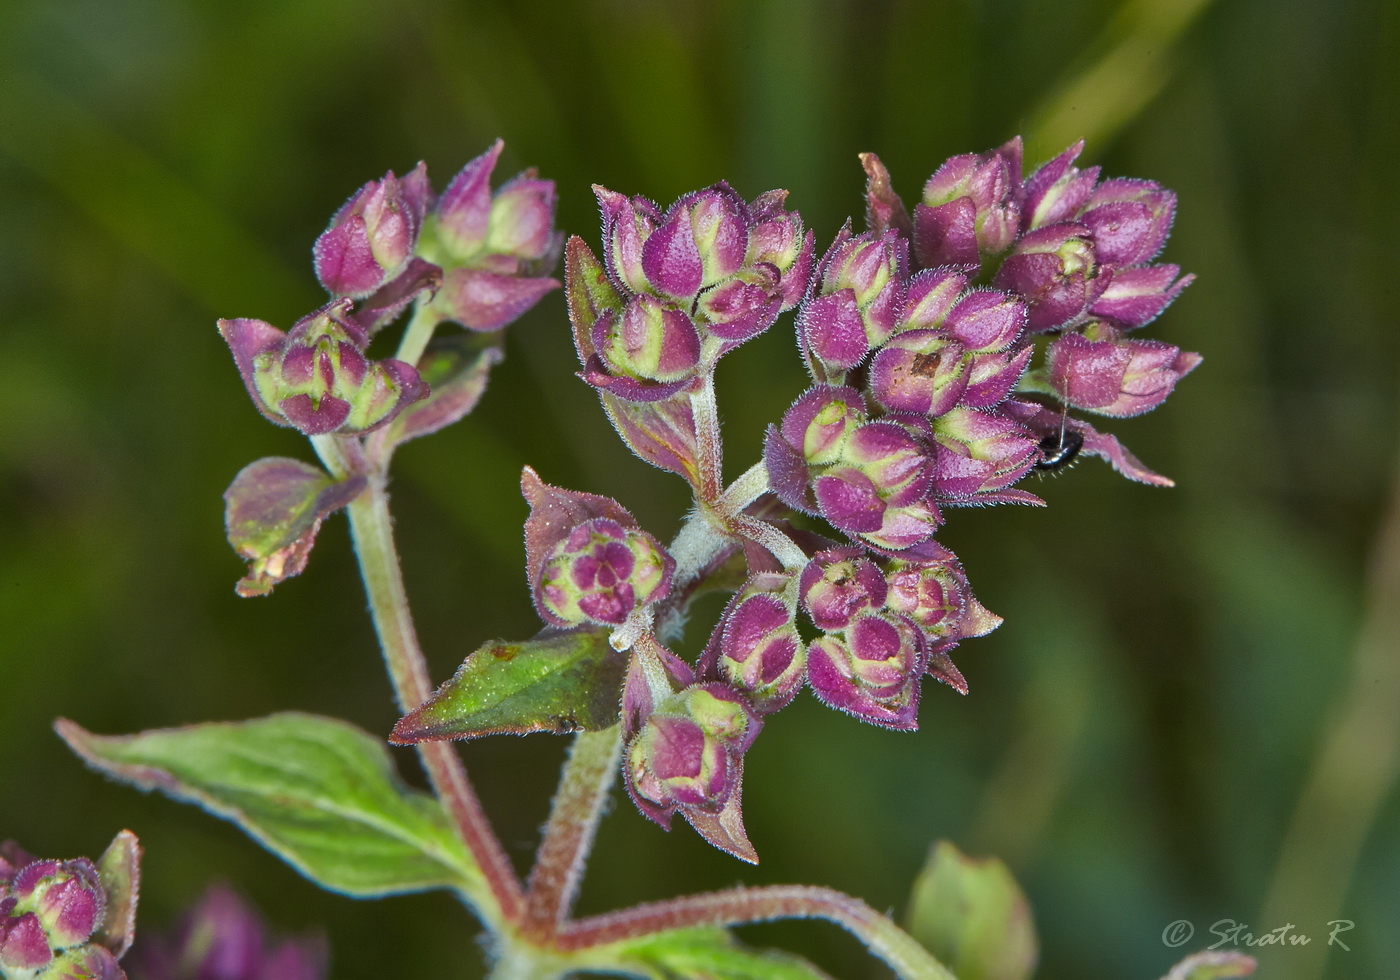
372,530
587,776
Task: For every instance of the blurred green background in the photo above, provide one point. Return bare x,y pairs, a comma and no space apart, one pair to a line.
1193,708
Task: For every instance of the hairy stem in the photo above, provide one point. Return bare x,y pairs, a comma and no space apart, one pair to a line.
747,905
568,836
371,528
709,448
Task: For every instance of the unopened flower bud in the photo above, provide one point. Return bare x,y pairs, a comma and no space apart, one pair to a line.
857,298
977,452
919,371
373,234
24,946
871,670
316,378
814,432
67,897
839,583
759,651
1102,372
935,596
1136,296
777,239
1057,190
930,297
1054,269
600,572
1129,219
990,181
650,341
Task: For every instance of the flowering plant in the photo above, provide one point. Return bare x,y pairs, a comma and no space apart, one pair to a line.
947,348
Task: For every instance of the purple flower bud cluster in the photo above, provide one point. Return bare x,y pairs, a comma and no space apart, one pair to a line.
473,256
485,253
589,562
684,286
223,938
49,913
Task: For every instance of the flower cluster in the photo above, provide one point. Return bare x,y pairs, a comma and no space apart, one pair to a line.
922,336
223,938
471,256
683,287
50,913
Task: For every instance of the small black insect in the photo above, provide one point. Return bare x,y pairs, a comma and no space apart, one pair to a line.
1059,449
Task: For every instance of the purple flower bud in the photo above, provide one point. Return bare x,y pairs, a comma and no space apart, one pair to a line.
839,583
588,561
487,301
85,963
66,896
758,650
884,211
1104,373
650,341
1137,296
991,377
24,947
492,248
464,211
930,297
896,460
977,452
919,371
776,239
985,320
1129,219
687,754
871,670
991,182
935,595
851,501
627,223
859,293
522,220
316,378
373,234
947,235
737,310
224,938
1054,270
600,573
1057,190
819,424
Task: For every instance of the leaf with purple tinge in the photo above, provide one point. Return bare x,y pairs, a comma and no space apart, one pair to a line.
273,509
119,867
456,367
559,682
660,432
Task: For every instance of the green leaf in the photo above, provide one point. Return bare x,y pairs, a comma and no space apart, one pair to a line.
589,293
564,682
1218,965
973,917
319,793
273,509
707,954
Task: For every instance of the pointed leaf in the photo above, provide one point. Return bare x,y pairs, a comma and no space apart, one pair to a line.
1218,965
973,917
319,793
273,509
120,871
589,292
708,954
564,682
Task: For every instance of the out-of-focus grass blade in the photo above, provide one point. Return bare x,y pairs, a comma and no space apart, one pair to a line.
1093,103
